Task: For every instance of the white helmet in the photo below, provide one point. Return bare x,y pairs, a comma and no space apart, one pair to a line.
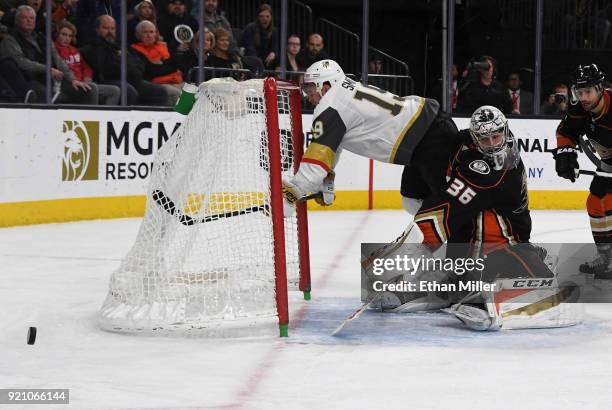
321,72
490,133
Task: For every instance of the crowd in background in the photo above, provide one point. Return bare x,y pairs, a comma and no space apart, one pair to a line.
163,47
478,84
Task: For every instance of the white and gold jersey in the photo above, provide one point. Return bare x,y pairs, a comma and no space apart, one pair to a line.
367,121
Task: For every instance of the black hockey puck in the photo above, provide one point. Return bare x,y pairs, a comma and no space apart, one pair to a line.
31,335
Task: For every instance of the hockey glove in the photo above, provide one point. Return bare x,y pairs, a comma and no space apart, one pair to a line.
291,194
327,189
566,162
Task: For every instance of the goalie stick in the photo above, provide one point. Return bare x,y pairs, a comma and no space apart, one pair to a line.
366,263
355,314
170,207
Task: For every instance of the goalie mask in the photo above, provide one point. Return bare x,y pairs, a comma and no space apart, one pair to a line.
490,133
319,73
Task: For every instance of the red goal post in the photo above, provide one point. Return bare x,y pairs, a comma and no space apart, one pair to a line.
272,88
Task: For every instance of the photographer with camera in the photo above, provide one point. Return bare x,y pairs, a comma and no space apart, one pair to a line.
556,104
480,88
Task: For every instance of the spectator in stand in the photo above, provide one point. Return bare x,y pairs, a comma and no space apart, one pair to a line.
481,88
103,55
87,13
64,10
189,58
174,13
260,38
27,47
375,66
312,53
212,19
522,100
145,10
222,56
556,103
14,87
196,7
7,14
64,44
293,48
131,4
11,6
40,14
160,66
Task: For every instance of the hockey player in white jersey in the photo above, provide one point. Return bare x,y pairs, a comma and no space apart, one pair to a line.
372,123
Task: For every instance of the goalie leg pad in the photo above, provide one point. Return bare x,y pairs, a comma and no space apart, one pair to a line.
523,303
534,303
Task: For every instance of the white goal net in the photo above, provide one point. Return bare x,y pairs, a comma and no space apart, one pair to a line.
204,257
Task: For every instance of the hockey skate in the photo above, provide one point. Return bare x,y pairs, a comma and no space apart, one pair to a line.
601,266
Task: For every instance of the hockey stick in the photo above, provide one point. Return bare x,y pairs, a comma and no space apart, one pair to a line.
588,149
595,173
355,314
387,249
170,207
366,263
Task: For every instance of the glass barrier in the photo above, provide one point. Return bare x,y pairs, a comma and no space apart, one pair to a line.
519,55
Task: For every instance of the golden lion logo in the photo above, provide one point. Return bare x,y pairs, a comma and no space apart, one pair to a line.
80,156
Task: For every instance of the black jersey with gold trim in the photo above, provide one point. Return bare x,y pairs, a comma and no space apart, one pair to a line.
479,205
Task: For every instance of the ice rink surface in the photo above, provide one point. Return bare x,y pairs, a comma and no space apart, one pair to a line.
55,277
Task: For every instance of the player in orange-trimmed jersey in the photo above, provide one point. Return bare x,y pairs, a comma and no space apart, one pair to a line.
589,114
485,203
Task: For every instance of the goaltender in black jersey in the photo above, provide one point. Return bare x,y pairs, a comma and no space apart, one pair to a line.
485,202
370,122
482,214
485,205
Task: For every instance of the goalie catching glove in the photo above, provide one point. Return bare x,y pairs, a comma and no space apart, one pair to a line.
566,162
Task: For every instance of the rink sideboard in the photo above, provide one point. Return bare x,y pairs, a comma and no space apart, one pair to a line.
71,164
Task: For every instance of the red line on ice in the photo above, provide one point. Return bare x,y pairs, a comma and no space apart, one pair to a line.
269,360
